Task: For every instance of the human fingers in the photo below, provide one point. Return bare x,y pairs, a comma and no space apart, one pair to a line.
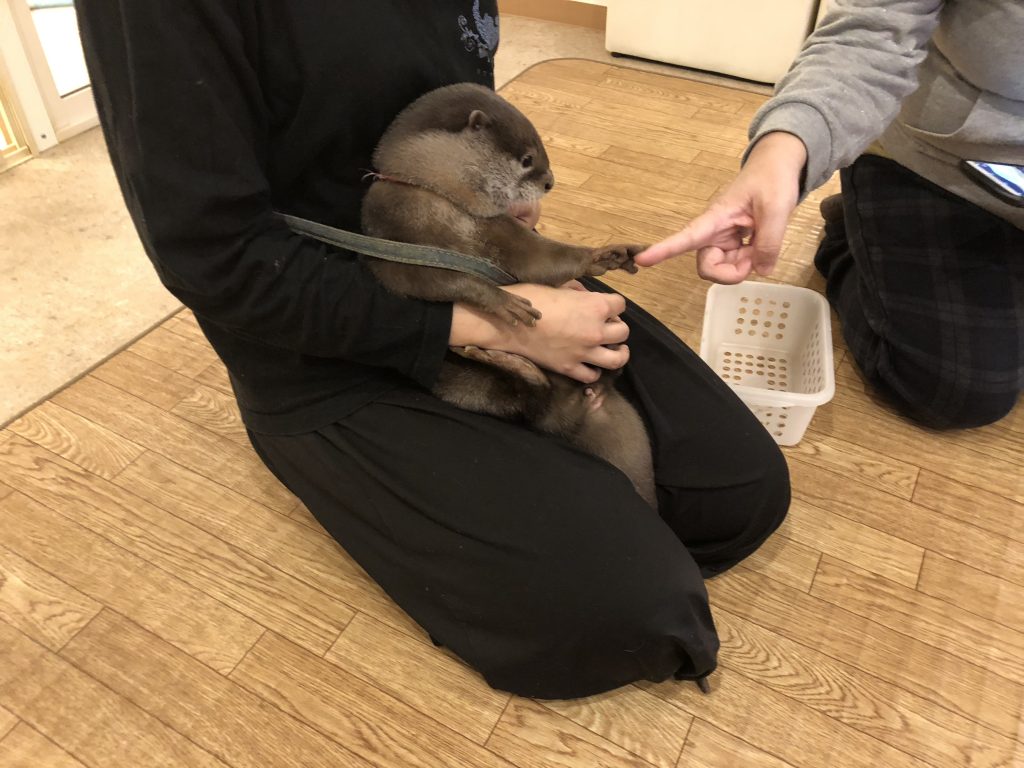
725,267
702,231
612,305
584,373
615,332
610,359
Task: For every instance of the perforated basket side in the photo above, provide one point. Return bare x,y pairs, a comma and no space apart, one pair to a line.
743,366
815,362
786,424
773,345
756,315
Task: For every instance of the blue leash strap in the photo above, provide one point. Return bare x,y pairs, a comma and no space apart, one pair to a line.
403,253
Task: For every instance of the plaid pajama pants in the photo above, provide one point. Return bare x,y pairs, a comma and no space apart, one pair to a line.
929,290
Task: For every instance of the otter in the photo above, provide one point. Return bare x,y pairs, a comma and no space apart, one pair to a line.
453,171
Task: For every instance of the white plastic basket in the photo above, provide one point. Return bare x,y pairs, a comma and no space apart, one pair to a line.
773,345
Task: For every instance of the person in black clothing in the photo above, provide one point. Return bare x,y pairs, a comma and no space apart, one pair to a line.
537,564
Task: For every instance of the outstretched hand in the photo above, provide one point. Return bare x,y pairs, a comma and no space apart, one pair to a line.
742,230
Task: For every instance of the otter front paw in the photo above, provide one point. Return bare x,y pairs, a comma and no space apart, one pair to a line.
610,257
513,309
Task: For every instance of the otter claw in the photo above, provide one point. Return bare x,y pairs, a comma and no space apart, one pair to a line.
516,309
616,257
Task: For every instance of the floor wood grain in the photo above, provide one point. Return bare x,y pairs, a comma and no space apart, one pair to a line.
119,579
84,717
165,602
41,606
378,727
7,722
414,672
237,726
708,747
25,747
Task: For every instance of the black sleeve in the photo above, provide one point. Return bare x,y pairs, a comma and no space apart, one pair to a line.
185,122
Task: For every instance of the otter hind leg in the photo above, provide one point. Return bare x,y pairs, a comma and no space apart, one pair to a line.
517,365
626,444
599,420
484,388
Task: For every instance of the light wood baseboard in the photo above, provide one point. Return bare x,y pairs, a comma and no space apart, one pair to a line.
564,11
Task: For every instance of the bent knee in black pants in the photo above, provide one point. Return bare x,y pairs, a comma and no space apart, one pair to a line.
538,564
548,584
929,290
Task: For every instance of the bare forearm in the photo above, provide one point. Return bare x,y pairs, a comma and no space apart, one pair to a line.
783,151
473,328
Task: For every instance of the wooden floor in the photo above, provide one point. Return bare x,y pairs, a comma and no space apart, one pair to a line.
163,602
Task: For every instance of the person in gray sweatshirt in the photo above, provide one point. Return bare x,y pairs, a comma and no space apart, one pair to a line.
924,264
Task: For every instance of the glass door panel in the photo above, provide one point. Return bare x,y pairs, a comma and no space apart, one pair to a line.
48,30
56,24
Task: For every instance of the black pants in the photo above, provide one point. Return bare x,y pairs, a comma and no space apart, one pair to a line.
535,563
929,289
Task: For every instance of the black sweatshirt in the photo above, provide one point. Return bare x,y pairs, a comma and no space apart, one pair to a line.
218,112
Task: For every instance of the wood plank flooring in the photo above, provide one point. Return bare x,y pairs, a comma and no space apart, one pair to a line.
164,602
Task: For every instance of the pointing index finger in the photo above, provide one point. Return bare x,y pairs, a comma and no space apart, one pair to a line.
698,233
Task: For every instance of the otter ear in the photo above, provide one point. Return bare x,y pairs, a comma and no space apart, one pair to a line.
478,120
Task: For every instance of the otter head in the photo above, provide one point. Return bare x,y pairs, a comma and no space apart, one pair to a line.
510,167
467,143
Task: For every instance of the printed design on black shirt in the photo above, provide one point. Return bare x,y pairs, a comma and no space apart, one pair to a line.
484,39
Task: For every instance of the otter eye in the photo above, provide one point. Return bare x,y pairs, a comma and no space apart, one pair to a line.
528,161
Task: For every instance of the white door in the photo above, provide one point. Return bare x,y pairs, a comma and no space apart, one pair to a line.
48,31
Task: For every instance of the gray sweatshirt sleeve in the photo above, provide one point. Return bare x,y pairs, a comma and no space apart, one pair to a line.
847,83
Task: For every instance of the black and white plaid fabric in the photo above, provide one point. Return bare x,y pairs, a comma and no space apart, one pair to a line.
929,290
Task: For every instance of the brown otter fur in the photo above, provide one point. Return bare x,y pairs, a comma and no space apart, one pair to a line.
451,167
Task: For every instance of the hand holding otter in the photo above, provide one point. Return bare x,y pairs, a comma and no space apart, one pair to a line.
572,338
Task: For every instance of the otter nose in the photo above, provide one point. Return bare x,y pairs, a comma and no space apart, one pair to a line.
549,181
